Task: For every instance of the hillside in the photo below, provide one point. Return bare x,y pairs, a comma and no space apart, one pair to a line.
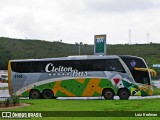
22,49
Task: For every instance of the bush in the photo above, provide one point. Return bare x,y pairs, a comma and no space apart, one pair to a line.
7,102
15,100
1,102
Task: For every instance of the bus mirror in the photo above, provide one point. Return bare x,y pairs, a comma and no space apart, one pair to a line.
152,72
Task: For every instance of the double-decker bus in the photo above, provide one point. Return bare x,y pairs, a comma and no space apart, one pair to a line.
80,76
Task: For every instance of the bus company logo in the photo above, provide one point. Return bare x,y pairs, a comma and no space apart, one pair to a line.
63,71
99,40
133,63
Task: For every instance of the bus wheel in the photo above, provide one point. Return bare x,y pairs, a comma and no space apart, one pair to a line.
123,94
34,94
47,94
108,94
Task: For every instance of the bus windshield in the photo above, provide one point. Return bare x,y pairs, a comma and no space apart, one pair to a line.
140,76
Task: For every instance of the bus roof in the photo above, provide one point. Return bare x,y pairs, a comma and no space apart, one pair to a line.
128,56
81,57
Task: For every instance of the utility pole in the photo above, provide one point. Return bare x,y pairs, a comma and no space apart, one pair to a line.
148,37
80,48
129,40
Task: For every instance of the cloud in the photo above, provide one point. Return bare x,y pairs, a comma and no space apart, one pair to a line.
120,5
79,20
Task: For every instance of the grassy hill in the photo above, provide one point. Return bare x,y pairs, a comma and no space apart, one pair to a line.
21,49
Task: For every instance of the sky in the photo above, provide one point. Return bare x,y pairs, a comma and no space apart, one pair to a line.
79,20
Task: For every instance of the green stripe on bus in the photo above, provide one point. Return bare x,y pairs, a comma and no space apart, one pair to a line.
25,94
61,94
79,88
96,94
125,83
104,83
74,86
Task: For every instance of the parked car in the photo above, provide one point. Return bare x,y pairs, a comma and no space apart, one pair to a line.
4,77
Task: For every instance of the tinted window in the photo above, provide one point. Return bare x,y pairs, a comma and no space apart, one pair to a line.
80,65
22,67
134,62
28,67
102,65
38,66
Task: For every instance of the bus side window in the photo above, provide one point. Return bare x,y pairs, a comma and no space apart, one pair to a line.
21,67
114,65
77,65
112,68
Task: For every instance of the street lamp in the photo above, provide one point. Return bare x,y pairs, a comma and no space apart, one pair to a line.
80,48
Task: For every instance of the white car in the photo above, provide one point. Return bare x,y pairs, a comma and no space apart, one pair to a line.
4,77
